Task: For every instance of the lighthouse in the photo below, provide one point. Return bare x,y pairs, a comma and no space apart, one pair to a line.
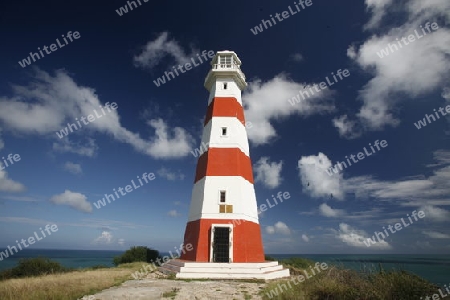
223,228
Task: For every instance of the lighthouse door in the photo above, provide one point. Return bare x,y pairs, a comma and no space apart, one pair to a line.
221,244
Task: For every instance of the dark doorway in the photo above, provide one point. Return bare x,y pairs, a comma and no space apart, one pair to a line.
221,244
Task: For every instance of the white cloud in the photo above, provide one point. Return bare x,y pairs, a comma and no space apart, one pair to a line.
427,9
270,230
73,168
20,198
436,214
412,191
282,228
164,146
88,149
423,245
74,200
415,191
268,101
327,211
356,238
268,172
9,185
2,144
105,225
442,157
426,193
305,238
156,50
121,242
436,235
378,9
279,227
38,109
105,238
297,57
411,71
347,128
446,93
169,175
315,180
387,190
173,213
352,52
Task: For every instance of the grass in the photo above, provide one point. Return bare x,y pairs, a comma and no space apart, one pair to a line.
171,294
342,284
66,286
246,295
333,283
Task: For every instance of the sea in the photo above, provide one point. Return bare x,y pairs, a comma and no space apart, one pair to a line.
435,268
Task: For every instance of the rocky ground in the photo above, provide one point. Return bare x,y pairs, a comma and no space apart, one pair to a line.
154,286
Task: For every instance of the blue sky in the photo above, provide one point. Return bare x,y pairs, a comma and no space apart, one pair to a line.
154,129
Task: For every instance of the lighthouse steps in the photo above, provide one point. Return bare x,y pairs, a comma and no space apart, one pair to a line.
222,269
197,270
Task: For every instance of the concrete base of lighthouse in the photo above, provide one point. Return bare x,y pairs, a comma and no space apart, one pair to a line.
205,270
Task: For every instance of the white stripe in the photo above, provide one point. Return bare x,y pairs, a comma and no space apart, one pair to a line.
240,193
236,134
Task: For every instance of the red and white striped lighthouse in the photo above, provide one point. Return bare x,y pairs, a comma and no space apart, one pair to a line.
223,226
223,219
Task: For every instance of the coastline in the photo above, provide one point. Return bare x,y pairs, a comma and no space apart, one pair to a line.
432,267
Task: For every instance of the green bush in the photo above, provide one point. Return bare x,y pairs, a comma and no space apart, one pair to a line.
33,267
6,274
403,285
297,262
137,254
343,284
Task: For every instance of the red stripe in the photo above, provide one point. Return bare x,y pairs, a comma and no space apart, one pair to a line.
224,162
247,240
224,107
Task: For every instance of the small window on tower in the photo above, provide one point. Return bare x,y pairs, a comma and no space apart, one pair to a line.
222,196
224,131
225,85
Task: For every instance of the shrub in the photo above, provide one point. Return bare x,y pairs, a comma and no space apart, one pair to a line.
6,274
403,285
137,254
33,267
342,284
297,262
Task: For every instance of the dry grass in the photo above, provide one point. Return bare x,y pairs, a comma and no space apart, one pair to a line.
341,284
67,286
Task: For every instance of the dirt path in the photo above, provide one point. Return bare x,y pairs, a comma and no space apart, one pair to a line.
153,288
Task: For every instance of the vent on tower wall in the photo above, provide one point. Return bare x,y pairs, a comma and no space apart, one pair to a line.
226,208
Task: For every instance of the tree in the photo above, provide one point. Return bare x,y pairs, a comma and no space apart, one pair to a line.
137,253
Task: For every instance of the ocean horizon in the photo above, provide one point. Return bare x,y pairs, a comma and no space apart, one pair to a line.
433,267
